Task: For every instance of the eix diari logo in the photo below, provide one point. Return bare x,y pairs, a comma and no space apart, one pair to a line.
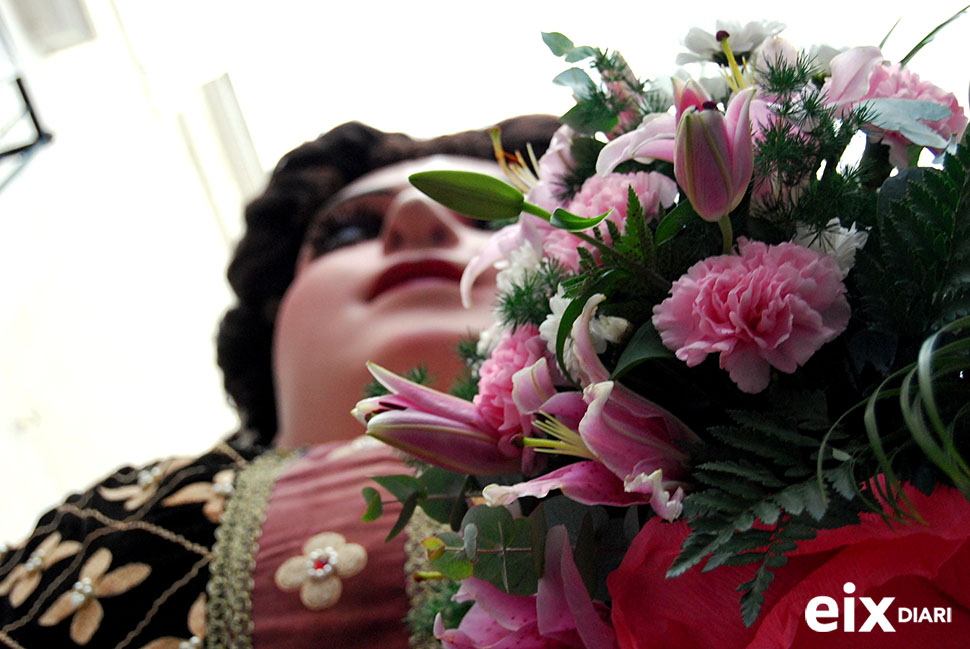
822,608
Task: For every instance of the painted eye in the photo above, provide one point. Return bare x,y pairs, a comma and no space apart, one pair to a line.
345,224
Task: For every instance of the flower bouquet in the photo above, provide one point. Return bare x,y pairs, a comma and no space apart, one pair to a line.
725,399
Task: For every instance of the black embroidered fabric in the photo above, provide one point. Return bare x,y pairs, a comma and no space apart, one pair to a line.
163,516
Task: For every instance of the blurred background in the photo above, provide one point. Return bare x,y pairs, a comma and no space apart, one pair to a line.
166,118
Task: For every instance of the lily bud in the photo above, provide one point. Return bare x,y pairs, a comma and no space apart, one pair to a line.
435,427
713,153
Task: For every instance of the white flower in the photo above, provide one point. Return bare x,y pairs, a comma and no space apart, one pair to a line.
602,329
703,45
514,268
822,56
835,240
488,338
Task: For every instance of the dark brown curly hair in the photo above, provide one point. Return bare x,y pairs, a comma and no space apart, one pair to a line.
263,264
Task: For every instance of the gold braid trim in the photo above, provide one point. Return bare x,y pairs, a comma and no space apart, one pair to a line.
229,607
10,642
420,593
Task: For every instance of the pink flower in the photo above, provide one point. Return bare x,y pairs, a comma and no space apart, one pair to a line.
601,193
713,153
634,449
515,351
861,73
553,165
598,195
653,139
636,454
437,428
560,616
770,306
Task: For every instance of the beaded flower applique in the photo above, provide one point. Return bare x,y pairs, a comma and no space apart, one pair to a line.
326,558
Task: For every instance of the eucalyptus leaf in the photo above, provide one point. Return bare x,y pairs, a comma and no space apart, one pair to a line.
588,117
448,556
445,492
576,80
904,115
470,538
558,43
479,196
644,345
407,511
402,486
580,53
562,46
504,556
374,506
573,223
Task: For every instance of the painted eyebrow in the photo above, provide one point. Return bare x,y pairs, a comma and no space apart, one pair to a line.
339,197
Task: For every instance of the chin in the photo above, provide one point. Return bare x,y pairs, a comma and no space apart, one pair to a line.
436,351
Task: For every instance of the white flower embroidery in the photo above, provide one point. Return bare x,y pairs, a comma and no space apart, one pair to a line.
24,579
326,558
94,581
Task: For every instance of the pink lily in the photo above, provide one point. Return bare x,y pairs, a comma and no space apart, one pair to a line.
436,427
498,248
652,140
560,616
633,448
713,153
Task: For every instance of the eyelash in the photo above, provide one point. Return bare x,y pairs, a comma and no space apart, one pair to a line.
346,225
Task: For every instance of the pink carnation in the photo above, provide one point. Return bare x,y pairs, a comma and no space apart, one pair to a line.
515,351
769,306
861,73
601,193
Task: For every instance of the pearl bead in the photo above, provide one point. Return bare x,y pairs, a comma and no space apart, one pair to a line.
322,562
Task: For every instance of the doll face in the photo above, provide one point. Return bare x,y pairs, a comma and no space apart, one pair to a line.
377,280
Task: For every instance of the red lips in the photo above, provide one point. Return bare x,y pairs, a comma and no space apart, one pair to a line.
409,271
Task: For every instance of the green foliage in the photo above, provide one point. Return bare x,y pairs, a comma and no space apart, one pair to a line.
465,385
527,301
929,37
914,273
493,546
933,400
805,138
421,618
765,482
618,93
439,493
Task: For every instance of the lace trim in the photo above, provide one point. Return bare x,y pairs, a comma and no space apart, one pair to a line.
420,593
229,622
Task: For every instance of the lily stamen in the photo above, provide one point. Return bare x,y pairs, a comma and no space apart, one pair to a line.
736,80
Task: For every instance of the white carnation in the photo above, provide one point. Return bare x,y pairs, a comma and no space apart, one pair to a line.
835,240
603,329
514,268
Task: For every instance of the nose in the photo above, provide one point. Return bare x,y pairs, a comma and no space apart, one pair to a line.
414,221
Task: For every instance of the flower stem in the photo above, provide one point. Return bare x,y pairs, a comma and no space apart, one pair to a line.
427,575
727,234
535,210
651,276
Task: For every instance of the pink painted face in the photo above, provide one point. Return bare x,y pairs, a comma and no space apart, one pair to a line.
377,282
